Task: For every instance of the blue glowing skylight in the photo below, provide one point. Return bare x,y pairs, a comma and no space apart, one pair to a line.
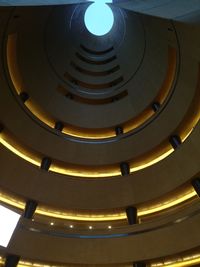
99,18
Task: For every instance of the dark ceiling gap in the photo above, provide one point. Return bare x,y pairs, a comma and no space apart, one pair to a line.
94,73
95,62
91,101
74,81
95,52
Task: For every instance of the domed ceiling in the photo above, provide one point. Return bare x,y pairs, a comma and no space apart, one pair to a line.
100,134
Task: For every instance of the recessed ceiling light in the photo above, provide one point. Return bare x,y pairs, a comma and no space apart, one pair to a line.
71,226
90,227
52,223
8,222
109,227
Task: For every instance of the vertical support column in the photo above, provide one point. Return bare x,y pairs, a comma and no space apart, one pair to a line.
59,126
24,96
30,208
155,106
125,168
175,141
119,130
196,184
131,213
45,164
12,261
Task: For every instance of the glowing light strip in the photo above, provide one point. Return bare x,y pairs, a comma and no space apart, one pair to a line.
85,173
101,173
27,264
73,131
2,261
181,262
151,162
12,65
12,201
161,206
82,217
17,152
96,135
79,171
168,204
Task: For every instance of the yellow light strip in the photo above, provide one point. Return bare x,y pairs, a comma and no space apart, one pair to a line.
151,162
81,217
99,173
31,264
4,198
81,133
12,63
87,173
168,204
2,261
18,152
102,172
35,110
181,262
160,206
108,133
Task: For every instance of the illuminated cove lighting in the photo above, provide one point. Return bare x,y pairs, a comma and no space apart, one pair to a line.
99,18
8,222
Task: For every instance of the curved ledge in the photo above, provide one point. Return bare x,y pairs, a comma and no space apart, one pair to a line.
176,200
95,73
151,157
96,52
96,62
94,134
112,83
91,101
187,259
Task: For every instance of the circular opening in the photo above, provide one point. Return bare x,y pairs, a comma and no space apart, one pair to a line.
99,18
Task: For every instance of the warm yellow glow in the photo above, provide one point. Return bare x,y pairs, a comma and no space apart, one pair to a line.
187,135
12,63
160,206
78,132
31,264
151,162
168,203
181,262
100,173
79,171
21,153
89,134
2,261
170,75
39,114
81,216
4,198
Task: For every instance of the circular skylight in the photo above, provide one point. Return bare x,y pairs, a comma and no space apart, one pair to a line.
99,18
